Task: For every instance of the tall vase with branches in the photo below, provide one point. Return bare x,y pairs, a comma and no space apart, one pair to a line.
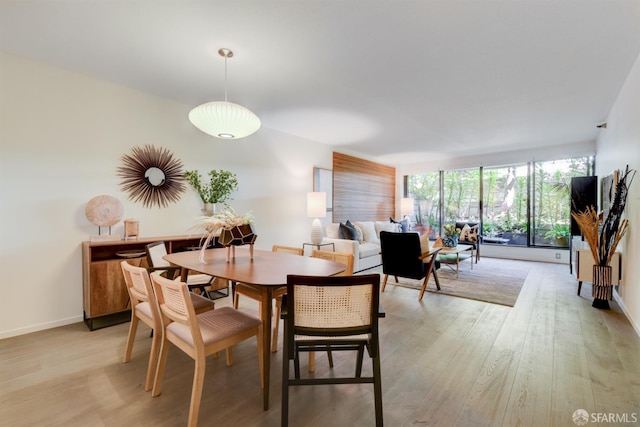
604,240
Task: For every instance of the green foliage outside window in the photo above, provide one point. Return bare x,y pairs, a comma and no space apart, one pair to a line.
531,201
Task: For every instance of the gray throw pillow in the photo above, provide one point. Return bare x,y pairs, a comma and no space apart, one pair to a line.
347,231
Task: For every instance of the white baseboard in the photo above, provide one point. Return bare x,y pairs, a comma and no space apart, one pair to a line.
40,327
617,298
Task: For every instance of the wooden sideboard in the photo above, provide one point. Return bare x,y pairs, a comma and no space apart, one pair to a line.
105,296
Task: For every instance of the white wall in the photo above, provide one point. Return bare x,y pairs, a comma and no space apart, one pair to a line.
618,146
61,139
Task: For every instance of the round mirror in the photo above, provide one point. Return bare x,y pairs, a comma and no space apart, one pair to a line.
155,176
152,176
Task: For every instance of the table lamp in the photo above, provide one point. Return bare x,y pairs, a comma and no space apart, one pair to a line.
406,207
316,209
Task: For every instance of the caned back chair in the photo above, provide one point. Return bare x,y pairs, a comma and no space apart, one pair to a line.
251,292
144,306
340,312
404,256
199,336
343,258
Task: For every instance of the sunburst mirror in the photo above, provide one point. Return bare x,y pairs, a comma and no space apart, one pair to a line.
152,176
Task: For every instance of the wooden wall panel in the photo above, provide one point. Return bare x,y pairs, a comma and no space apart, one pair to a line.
362,190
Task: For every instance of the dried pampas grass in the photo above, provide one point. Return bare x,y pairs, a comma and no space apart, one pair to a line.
604,241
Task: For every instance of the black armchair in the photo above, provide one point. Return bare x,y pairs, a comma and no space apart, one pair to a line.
403,256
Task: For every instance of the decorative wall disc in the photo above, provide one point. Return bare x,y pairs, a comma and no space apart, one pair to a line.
104,211
152,176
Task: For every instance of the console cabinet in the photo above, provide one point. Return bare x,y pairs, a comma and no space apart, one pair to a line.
105,296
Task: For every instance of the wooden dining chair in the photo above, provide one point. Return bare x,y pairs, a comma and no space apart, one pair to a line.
202,282
199,336
144,306
343,258
337,311
249,291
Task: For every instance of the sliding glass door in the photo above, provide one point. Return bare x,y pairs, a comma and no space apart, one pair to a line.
525,204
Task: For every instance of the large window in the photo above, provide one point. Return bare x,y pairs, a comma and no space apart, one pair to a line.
425,190
518,204
461,194
505,199
551,210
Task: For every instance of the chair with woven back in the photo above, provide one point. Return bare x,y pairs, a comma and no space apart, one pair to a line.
340,312
144,306
408,255
343,258
202,282
251,292
199,336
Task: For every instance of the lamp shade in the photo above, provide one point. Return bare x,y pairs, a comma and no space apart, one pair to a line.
317,204
406,206
225,120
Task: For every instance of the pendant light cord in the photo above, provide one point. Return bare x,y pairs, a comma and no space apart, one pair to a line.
225,78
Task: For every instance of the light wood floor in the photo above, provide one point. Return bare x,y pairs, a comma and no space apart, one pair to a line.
445,362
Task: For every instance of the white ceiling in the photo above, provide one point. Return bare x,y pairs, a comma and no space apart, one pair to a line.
397,81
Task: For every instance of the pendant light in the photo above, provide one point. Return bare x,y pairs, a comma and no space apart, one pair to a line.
223,119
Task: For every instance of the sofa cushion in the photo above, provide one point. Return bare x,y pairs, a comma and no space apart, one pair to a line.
368,249
385,226
425,245
359,234
469,234
331,230
347,231
368,231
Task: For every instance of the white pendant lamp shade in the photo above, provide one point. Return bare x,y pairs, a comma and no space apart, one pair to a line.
224,120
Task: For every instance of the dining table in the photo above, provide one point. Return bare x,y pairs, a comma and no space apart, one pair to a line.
265,271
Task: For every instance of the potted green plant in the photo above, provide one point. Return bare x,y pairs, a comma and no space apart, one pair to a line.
217,190
451,235
559,234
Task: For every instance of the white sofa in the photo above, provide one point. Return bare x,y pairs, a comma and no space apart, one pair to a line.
366,249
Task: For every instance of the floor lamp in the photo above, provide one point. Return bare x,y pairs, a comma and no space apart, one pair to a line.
316,209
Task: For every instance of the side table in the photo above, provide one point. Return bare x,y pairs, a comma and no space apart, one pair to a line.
319,245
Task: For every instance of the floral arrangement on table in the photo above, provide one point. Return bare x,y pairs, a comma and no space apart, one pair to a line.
231,229
603,238
451,235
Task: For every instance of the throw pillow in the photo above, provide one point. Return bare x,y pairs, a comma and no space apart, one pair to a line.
357,229
359,232
472,235
348,232
464,233
469,234
368,231
424,243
